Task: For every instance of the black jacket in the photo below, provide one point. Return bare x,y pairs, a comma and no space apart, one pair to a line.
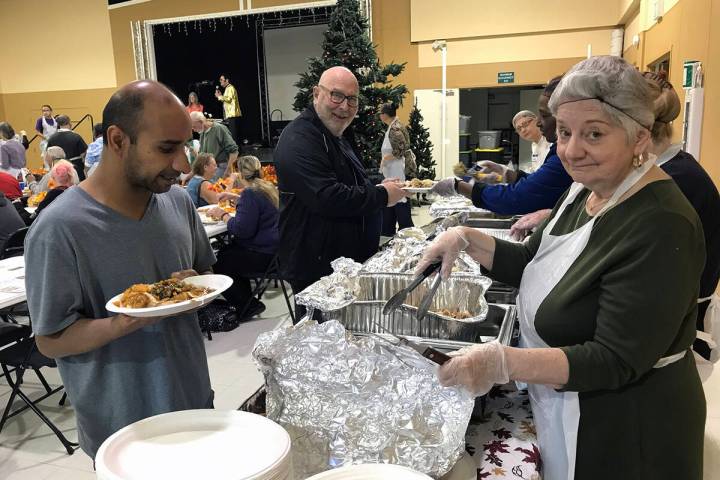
328,207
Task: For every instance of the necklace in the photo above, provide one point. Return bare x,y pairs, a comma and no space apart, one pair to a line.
592,205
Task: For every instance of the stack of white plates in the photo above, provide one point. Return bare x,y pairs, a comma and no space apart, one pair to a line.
375,471
195,444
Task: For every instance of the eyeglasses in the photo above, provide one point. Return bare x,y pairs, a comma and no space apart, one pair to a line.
339,97
525,124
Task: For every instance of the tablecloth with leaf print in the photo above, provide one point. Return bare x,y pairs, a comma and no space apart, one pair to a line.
503,441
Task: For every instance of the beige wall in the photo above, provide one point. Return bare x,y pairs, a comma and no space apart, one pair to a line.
67,46
432,20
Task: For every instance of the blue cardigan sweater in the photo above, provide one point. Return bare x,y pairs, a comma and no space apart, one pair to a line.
530,193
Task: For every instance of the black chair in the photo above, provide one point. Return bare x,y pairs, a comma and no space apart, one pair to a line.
15,244
262,280
24,355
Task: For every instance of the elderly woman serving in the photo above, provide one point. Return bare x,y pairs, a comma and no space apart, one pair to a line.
607,304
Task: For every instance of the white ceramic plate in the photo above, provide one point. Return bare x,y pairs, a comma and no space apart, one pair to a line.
219,283
197,444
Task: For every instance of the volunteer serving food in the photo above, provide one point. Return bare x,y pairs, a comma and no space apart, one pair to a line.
607,304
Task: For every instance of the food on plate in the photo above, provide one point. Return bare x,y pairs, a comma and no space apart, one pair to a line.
164,292
35,200
227,205
269,174
417,183
454,313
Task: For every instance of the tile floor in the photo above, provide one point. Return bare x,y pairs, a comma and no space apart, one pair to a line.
30,451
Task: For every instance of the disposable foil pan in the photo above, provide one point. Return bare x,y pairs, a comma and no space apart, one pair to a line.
456,204
463,292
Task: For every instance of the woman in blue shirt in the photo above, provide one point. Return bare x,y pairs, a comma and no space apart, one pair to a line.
254,230
203,169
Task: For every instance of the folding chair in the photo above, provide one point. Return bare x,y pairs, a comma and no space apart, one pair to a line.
24,355
15,244
262,280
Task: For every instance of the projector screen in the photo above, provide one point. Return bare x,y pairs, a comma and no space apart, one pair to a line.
286,54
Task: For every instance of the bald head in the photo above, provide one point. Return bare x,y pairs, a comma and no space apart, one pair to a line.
338,74
126,106
336,99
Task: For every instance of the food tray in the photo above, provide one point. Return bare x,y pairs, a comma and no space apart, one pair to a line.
503,223
366,318
465,292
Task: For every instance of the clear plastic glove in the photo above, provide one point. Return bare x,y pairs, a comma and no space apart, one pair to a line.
446,247
476,368
528,223
486,166
445,187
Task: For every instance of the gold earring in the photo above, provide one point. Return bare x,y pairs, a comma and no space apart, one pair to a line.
638,161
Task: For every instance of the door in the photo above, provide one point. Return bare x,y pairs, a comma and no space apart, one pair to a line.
429,102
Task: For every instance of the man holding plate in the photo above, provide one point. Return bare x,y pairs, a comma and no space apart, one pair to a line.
127,224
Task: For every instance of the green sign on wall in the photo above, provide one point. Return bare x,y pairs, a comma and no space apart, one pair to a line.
506,77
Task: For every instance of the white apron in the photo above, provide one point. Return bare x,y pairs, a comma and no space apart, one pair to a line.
557,414
711,320
394,168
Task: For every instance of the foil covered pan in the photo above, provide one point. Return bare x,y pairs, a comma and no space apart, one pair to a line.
446,206
347,400
403,254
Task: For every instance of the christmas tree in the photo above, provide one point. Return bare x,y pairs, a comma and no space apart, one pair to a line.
421,145
347,44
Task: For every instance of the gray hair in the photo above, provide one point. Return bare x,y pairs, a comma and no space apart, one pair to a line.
523,114
195,116
622,91
54,153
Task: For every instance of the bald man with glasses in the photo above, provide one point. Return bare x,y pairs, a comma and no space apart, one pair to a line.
328,206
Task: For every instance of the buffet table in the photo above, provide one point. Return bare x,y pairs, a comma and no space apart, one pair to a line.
12,281
503,443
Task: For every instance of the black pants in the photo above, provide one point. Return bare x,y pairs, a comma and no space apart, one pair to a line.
399,214
234,125
237,262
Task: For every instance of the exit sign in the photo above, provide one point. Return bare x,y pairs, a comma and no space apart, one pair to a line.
506,77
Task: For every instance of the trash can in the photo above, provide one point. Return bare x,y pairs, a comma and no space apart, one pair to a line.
465,123
488,138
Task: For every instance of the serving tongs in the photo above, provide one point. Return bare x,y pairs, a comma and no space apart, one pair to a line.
424,350
397,300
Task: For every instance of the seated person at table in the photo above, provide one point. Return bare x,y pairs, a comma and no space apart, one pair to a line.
31,183
10,186
523,193
64,176
52,156
10,220
254,232
203,169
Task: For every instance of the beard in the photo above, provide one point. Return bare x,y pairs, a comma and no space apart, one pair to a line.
154,183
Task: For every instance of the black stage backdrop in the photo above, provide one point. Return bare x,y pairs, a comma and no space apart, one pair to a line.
191,56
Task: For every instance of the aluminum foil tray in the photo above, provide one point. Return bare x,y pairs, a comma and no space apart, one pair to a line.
364,316
456,204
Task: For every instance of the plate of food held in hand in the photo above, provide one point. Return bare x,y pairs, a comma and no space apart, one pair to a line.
418,186
168,297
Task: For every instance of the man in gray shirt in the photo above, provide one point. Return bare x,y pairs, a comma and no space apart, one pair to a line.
216,140
126,224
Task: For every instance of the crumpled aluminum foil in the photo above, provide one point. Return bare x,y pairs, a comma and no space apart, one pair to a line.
449,205
334,291
347,400
404,253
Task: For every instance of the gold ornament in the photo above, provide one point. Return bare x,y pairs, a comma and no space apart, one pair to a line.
638,161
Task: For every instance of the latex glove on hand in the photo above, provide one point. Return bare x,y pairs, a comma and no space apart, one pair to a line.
476,368
528,223
445,187
486,166
446,247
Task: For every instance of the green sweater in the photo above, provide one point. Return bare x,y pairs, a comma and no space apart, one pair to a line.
627,300
218,142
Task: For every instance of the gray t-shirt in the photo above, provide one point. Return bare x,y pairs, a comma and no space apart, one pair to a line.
78,255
